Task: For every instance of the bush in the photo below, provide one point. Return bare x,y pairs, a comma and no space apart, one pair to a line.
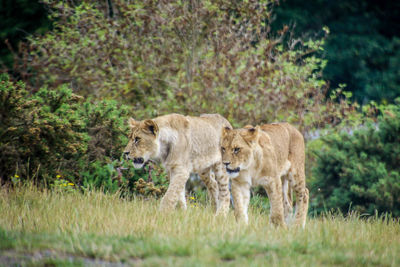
360,170
189,57
121,176
56,138
106,124
40,134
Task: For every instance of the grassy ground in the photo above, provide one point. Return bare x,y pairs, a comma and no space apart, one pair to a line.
43,227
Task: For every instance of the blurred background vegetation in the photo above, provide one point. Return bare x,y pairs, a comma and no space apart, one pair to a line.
74,71
362,48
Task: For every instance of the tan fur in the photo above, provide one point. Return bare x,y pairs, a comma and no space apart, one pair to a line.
184,145
270,155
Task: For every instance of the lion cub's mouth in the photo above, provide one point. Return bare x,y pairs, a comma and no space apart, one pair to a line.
139,163
232,170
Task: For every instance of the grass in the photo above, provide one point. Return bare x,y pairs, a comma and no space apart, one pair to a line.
39,227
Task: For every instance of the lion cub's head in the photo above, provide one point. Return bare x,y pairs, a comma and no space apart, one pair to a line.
237,148
143,143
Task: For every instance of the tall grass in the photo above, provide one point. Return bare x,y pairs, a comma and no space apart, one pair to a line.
102,226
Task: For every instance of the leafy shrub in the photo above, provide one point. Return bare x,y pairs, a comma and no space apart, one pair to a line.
360,170
121,176
106,124
40,134
57,138
189,57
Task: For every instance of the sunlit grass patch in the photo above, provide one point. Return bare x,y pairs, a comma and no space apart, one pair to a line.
106,227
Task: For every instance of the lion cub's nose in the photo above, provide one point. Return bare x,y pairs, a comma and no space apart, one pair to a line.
226,163
138,160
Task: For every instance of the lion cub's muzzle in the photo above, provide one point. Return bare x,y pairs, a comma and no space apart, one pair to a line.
229,170
138,163
138,160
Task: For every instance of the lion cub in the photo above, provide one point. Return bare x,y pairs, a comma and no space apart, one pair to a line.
270,155
184,145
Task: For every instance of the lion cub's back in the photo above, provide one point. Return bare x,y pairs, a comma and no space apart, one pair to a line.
280,138
216,120
282,130
286,138
206,130
205,136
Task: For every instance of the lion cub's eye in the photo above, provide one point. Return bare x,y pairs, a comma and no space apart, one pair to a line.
223,149
236,150
137,140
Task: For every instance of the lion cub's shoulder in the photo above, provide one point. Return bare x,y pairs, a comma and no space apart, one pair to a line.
174,121
282,131
217,120
275,128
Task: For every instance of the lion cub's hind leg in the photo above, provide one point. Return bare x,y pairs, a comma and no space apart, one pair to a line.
302,196
208,177
287,200
298,182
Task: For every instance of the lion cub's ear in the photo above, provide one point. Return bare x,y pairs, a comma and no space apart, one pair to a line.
248,126
132,122
151,127
225,131
250,135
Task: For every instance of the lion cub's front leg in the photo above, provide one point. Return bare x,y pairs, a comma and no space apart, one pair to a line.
241,199
178,177
223,192
273,186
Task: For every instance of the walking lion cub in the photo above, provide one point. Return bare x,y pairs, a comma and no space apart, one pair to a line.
184,145
270,155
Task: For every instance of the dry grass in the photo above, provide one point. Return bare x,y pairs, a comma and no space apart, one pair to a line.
105,227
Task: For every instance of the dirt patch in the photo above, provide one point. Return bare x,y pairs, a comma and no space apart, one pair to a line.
50,258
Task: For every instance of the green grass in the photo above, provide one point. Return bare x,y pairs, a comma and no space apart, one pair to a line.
68,229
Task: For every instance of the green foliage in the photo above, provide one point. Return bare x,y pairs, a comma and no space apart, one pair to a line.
359,170
189,57
106,124
101,175
121,176
362,48
57,138
260,202
39,134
